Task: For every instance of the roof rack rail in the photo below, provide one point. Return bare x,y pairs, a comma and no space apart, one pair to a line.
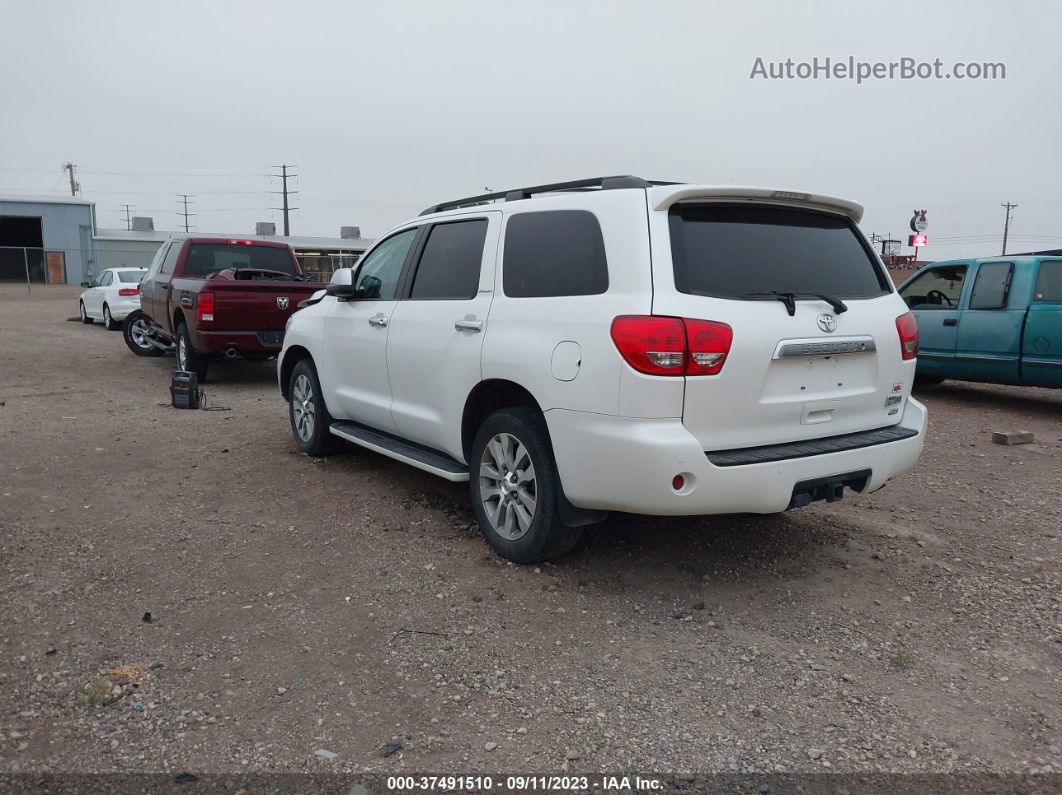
604,183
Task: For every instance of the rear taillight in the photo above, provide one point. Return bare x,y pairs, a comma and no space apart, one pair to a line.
907,328
671,345
129,291
708,345
204,307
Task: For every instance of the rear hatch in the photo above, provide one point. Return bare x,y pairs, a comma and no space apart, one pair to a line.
798,368
256,286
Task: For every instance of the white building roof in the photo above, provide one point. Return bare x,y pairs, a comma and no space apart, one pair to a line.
43,198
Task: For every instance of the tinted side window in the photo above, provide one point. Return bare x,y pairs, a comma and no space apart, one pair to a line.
449,266
171,258
554,253
378,274
1049,282
991,286
936,288
105,278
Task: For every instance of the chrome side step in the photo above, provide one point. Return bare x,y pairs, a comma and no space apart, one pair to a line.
416,455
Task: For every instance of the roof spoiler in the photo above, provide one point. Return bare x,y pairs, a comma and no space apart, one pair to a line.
664,197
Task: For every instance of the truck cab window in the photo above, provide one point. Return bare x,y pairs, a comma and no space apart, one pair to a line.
991,286
937,288
1049,282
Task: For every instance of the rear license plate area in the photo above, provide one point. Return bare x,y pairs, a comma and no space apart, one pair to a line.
830,488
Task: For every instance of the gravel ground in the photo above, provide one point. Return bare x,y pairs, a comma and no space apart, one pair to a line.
340,604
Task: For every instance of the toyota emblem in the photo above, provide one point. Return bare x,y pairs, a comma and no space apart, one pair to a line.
827,322
282,303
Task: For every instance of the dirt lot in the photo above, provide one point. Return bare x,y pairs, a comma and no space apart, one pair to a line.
300,605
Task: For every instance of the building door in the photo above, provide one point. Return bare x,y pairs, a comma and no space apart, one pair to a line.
56,267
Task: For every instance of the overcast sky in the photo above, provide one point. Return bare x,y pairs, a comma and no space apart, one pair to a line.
386,108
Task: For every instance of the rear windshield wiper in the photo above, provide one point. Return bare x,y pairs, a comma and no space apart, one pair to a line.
790,299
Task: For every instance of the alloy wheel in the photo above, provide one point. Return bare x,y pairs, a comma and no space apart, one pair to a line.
507,486
138,330
302,408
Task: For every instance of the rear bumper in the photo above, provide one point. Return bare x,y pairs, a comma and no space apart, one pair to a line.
268,342
122,307
624,464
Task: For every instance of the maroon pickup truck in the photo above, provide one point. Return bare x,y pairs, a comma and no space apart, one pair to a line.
211,296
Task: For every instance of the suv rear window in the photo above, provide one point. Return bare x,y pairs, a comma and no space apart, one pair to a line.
554,253
206,258
729,251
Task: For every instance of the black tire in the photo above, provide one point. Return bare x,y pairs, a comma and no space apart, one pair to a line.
545,536
188,358
307,414
84,315
928,380
109,322
135,328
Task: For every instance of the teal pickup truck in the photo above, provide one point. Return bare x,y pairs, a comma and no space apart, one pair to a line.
997,320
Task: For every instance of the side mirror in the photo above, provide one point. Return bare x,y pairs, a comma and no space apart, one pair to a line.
342,276
84,284
342,292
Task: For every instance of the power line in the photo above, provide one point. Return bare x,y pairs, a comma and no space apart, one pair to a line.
184,198
1006,224
284,175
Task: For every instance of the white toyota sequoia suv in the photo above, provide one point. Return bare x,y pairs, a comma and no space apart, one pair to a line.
615,344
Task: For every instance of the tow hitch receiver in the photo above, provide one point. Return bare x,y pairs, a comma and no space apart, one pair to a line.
830,488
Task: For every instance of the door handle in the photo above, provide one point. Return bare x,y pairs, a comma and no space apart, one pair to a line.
951,321
469,325
378,320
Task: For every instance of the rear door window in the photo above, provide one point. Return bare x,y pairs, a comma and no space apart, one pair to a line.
1049,282
936,288
731,251
991,286
450,262
554,253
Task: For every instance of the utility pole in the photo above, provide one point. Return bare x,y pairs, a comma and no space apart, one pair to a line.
285,176
1006,224
128,216
184,198
75,186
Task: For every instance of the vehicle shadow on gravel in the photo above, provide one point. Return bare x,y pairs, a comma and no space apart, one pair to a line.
224,372
636,553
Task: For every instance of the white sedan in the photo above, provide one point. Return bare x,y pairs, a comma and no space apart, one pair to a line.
111,296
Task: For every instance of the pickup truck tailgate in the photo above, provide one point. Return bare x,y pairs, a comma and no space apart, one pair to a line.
257,305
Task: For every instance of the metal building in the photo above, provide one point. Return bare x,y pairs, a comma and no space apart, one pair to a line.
54,240
46,239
